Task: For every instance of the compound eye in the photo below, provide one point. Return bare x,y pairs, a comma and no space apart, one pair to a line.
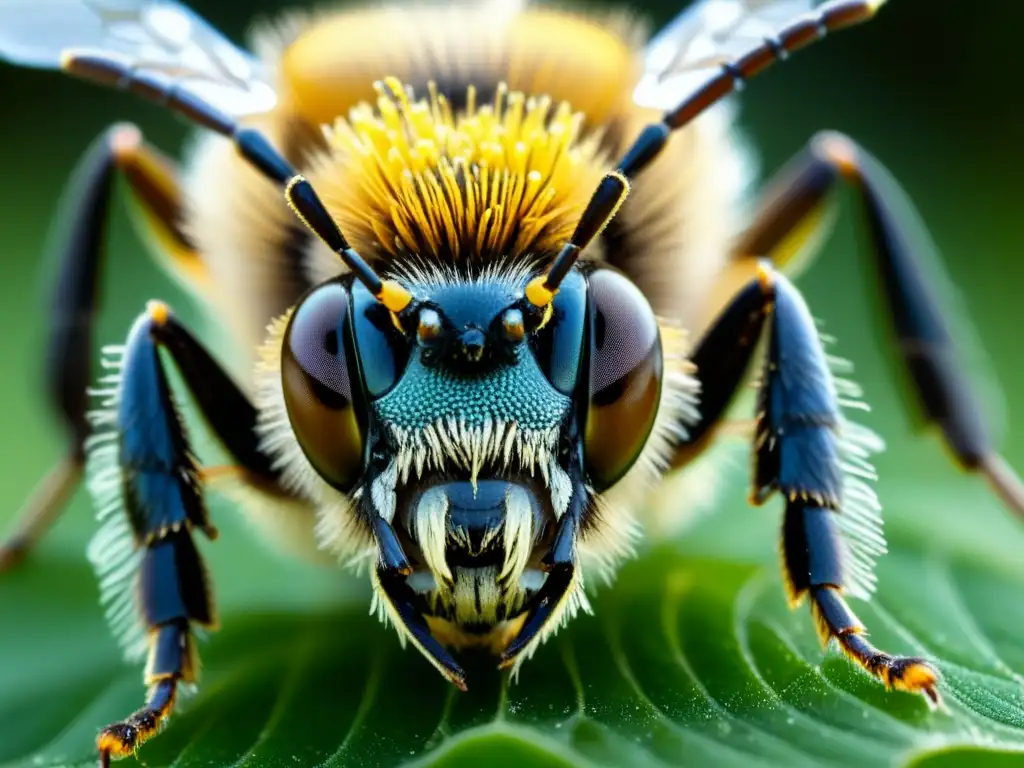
625,376
318,386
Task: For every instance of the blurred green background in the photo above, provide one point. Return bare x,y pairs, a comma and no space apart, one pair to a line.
931,88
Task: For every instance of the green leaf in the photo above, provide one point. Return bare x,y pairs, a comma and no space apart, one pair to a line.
691,658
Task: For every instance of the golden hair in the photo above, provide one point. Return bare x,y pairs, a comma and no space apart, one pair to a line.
498,179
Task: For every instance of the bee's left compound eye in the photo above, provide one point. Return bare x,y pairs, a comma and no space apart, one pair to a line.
318,385
625,376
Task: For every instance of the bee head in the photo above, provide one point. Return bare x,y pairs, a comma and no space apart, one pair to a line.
493,391
466,421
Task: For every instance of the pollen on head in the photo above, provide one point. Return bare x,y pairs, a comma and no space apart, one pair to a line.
503,177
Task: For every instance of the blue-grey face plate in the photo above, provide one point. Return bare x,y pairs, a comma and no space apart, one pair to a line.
474,481
517,393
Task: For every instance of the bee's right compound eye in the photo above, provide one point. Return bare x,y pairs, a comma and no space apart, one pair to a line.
318,386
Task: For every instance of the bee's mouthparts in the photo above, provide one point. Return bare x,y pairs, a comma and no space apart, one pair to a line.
460,524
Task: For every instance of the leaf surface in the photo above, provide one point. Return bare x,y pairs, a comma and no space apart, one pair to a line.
691,658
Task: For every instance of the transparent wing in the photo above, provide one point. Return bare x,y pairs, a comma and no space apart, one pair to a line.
159,37
707,34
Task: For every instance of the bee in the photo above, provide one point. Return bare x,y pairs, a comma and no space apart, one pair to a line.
486,286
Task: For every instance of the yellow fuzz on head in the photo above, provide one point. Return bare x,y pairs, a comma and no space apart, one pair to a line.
504,178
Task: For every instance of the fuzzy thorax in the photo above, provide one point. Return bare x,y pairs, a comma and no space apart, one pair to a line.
503,178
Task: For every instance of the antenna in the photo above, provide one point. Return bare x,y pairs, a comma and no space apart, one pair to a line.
113,71
614,187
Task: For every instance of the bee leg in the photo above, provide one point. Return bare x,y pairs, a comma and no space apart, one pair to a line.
163,503
943,395
73,310
797,453
812,542
44,505
722,358
172,660
159,486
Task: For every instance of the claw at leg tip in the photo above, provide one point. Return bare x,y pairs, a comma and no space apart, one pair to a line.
919,677
118,741
459,681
